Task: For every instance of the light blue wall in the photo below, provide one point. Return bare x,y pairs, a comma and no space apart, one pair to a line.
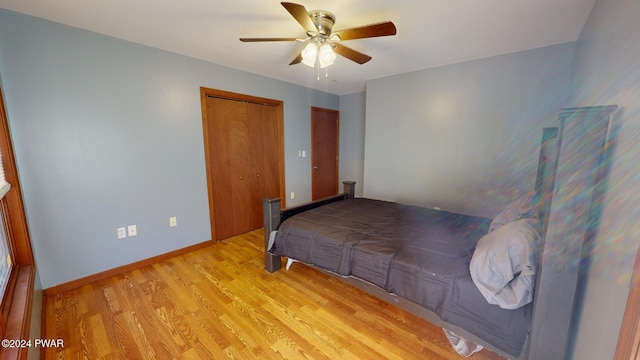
352,125
463,137
108,133
607,71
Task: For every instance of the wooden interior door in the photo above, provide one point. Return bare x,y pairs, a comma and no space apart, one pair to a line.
244,157
324,152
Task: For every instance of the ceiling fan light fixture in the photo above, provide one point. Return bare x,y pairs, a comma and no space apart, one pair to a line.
322,43
327,56
309,54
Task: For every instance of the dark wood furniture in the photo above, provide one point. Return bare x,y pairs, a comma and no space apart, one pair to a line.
570,172
273,216
573,220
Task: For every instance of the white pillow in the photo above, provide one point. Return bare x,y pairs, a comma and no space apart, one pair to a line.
523,207
504,263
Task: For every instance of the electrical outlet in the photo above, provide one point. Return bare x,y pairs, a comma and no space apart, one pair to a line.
122,233
133,230
173,222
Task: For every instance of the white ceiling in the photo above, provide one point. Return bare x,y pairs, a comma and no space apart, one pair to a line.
430,33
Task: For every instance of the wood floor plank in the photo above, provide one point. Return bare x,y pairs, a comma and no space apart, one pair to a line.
139,335
97,337
218,302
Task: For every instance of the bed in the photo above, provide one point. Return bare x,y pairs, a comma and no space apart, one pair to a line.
473,276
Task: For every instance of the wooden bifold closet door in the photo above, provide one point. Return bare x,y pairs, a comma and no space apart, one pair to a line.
243,143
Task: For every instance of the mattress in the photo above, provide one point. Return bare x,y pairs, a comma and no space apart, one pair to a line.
420,254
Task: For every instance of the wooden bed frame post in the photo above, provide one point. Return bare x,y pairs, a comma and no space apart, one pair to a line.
271,213
584,133
349,189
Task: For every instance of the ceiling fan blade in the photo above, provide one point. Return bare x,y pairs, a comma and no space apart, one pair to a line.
351,54
266,39
301,15
386,28
297,60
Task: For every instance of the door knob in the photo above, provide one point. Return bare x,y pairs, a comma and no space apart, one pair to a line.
316,167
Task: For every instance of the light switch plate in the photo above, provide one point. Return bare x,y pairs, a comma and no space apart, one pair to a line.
133,230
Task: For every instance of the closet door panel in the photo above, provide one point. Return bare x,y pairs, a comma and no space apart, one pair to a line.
263,130
243,148
219,151
241,183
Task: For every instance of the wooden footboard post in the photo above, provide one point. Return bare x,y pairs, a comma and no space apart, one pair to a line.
271,213
349,189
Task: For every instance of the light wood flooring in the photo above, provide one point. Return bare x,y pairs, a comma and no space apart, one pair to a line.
219,302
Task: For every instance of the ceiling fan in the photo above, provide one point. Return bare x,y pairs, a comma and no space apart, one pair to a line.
322,42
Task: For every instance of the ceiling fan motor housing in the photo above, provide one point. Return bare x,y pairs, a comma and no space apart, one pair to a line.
323,20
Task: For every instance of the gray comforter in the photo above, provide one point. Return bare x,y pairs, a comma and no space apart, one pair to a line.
420,254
